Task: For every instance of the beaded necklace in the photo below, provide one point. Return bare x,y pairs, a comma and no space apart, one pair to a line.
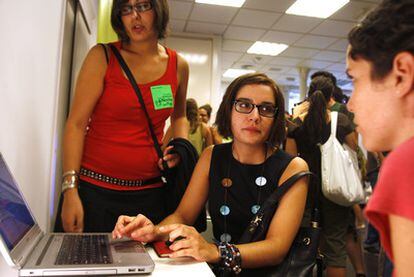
226,182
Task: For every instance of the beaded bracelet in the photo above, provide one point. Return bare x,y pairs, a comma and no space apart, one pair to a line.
230,257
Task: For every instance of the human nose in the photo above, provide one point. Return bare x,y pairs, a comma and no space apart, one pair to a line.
254,114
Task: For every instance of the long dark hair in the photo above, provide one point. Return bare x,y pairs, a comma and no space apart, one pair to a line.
319,94
192,114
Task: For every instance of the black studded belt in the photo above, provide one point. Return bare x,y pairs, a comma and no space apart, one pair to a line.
117,181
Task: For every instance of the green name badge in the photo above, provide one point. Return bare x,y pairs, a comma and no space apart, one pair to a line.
162,97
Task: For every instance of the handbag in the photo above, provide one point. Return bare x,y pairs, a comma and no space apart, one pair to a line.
173,192
303,253
341,178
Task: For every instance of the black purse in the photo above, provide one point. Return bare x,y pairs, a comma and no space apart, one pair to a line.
173,192
303,254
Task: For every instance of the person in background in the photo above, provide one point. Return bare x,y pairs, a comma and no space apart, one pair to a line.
380,62
313,128
235,178
205,115
199,133
107,135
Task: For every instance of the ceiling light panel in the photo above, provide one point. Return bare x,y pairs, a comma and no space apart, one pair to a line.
234,73
267,48
228,3
316,8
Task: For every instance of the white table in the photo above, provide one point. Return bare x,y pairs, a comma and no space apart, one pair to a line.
179,267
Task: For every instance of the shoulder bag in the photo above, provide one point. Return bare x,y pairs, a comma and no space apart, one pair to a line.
341,178
303,254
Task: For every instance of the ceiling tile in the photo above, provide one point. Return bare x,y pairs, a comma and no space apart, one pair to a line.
274,69
177,25
299,24
269,5
243,33
315,64
246,65
281,37
333,28
179,10
298,52
340,45
213,13
205,28
226,64
341,67
283,61
230,56
236,45
331,56
353,11
315,41
256,59
253,18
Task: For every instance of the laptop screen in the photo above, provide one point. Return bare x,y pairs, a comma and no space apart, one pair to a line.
15,218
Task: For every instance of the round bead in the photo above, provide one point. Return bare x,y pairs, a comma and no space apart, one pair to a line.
226,182
255,209
225,237
261,181
224,210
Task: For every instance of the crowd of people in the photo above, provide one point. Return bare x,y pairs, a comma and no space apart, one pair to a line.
112,173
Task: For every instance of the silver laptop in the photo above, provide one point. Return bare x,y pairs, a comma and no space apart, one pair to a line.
34,253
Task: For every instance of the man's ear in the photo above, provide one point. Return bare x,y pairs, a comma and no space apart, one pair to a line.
403,68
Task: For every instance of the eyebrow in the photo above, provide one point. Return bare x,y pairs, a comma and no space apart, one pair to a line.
250,100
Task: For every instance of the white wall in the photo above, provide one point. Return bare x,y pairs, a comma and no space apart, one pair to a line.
31,99
204,80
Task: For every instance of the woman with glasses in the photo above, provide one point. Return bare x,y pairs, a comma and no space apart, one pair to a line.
235,179
313,128
110,164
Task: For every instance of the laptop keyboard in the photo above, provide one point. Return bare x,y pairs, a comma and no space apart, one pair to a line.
84,249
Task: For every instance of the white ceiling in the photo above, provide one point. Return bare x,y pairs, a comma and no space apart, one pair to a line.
313,42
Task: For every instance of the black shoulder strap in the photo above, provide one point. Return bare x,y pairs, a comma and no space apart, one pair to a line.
140,99
274,198
106,52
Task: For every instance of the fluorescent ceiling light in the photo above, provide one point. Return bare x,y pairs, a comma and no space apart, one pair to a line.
316,8
267,48
194,58
234,73
229,3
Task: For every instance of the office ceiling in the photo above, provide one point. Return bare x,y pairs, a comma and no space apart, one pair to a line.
318,44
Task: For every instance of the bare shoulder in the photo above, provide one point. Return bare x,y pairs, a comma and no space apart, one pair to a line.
96,59
295,166
182,65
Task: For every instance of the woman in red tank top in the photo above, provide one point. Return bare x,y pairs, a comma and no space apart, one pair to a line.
109,160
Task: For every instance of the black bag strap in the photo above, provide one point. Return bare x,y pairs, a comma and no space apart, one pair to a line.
140,99
106,52
274,198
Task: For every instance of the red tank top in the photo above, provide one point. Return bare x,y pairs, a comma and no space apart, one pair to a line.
118,141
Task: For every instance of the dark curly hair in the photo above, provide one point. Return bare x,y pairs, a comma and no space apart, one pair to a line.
385,32
223,118
162,17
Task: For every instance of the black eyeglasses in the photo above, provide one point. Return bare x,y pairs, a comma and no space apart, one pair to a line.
140,7
246,107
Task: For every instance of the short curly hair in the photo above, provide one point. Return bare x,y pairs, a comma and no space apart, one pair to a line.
162,16
385,32
223,118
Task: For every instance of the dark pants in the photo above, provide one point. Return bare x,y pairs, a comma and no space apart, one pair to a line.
102,207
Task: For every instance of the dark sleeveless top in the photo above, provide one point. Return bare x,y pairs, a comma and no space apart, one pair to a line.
243,194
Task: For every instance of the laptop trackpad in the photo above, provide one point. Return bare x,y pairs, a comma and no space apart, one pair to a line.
128,246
